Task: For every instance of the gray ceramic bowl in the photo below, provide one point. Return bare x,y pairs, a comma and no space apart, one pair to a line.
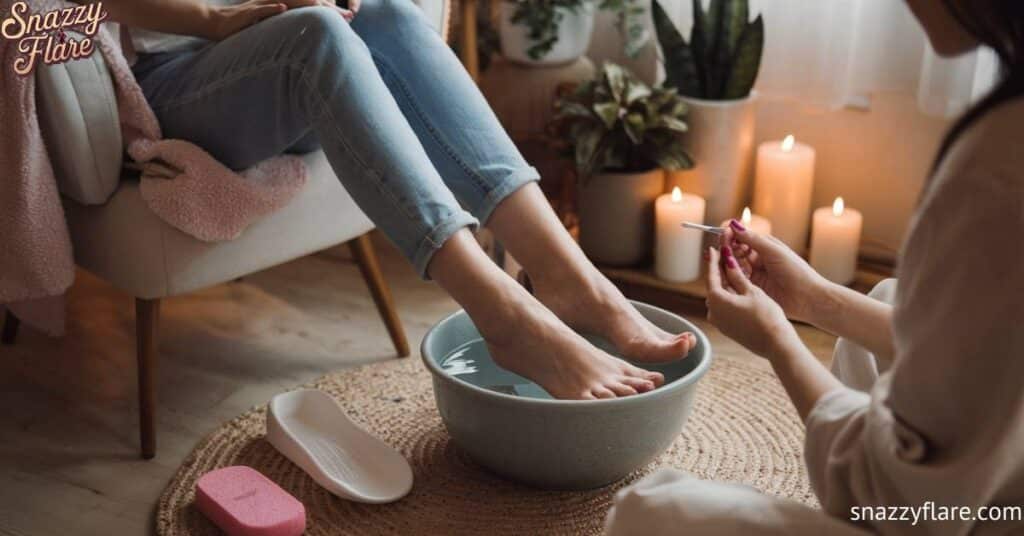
563,444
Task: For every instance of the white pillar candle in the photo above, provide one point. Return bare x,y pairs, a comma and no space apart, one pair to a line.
835,240
753,222
677,252
782,192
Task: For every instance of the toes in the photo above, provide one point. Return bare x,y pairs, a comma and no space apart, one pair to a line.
641,385
654,349
634,372
655,377
686,341
602,392
622,389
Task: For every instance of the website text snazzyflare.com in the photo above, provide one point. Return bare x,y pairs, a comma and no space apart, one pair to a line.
930,511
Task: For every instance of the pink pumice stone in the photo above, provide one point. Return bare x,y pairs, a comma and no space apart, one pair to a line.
243,502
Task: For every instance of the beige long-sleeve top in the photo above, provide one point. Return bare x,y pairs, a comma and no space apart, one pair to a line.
946,422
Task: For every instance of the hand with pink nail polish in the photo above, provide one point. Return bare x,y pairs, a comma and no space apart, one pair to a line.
744,312
776,269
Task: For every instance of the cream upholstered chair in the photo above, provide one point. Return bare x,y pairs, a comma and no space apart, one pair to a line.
117,238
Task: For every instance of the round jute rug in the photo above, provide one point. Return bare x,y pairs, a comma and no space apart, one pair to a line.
742,429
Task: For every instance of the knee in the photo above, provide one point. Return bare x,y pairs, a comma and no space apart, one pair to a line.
321,33
390,12
323,38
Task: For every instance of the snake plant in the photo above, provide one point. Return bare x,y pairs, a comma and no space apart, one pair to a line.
618,123
723,56
543,17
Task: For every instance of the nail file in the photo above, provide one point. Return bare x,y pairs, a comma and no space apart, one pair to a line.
241,501
705,228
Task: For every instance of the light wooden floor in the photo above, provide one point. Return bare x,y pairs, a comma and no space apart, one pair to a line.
68,437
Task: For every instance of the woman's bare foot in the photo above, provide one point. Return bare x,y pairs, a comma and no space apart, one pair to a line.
524,336
565,281
592,304
532,342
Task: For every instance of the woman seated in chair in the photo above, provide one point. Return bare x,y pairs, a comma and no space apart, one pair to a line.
410,136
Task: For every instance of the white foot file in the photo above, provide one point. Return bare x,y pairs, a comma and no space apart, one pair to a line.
312,431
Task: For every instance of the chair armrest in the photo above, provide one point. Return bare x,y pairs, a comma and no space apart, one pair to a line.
80,125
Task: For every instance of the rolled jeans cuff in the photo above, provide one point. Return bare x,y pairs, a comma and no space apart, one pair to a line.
438,236
504,188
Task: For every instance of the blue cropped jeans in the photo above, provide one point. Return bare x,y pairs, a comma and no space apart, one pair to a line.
402,123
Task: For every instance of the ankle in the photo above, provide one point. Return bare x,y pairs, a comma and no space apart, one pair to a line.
509,312
563,279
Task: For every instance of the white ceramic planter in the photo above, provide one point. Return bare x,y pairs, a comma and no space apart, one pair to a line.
721,141
617,216
573,37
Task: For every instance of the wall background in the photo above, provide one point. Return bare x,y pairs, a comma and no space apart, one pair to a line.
876,158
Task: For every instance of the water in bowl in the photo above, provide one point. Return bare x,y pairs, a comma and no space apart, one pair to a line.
471,362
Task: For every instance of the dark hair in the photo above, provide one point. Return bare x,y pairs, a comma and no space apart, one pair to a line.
998,24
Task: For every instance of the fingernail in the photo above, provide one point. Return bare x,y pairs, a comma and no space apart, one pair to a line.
732,263
727,252
737,225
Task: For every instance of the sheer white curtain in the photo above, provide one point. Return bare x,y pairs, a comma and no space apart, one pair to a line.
833,53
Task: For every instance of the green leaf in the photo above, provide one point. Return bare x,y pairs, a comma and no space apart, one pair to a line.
680,67
616,156
586,150
673,157
673,124
700,36
616,77
713,74
635,125
608,112
732,25
736,15
746,63
635,91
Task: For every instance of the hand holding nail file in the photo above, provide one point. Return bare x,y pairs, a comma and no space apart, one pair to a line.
705,228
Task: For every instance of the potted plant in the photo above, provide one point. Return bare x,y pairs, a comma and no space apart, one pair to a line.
715,73
553,32
622,135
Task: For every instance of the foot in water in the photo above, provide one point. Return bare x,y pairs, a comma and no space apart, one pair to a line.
592,304
525,337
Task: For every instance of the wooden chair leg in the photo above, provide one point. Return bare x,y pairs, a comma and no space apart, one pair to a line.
362,252
11,324
147,322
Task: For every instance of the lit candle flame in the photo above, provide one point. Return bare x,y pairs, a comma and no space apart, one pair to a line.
745,218
838,207
787,144
677,195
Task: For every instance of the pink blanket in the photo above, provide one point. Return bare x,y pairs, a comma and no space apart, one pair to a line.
207,200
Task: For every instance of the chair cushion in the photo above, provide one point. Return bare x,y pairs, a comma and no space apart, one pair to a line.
124,243
79,121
